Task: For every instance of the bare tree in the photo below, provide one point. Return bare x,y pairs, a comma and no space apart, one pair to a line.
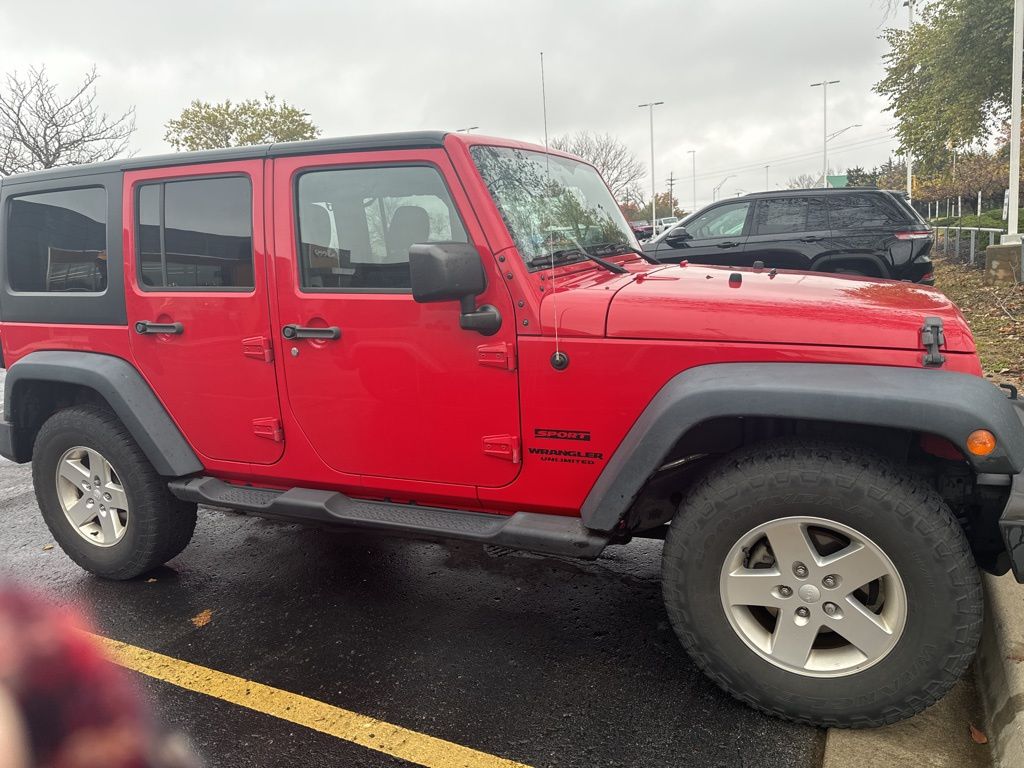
616,162
39,128
804,181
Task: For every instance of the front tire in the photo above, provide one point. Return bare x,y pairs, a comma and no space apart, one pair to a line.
102,500
822,584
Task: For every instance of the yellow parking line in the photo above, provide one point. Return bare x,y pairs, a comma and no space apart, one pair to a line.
351,726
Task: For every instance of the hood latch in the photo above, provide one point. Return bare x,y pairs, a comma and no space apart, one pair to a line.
932,338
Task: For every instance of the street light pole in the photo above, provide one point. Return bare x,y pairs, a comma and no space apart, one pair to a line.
841,131
714,192
693,159
910,172
767,183
650,107
824,131
1012,232
468,129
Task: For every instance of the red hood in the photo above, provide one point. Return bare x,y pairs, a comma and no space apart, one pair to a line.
687,302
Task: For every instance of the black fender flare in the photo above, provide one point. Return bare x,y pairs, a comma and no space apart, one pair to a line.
944,403
828,261
125,391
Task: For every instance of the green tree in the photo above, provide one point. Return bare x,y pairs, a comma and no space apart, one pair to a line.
947,80
202,125
858,177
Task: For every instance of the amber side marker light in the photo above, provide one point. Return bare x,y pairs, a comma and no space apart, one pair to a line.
981,442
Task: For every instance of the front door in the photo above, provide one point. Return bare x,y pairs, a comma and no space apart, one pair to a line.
198,310
716,236
380,385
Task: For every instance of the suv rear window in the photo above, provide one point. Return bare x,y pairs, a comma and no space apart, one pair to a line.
195,234
865,211
57,241
783,215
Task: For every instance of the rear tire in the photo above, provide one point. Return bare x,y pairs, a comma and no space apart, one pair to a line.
125,524
885,650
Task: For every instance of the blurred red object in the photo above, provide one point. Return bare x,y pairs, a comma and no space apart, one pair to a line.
77,709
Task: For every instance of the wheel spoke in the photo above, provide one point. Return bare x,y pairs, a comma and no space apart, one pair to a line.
73,471
864,630
81,513
856,565
110,526
99,467
790,545
792,642
746,586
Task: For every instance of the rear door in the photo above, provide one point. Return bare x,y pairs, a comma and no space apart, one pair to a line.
788,232
716,236
864,226
197,304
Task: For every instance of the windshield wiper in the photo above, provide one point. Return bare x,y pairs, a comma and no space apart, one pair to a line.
614,248
540,261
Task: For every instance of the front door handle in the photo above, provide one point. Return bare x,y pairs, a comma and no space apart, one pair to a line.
145,326
293,331
811,239
728,244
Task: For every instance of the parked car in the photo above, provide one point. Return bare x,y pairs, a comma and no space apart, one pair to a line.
665,223
376,333
869,232
642,229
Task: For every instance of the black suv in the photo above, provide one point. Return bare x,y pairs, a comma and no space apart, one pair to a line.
870,232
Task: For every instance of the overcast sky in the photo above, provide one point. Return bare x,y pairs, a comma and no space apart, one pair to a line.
734,74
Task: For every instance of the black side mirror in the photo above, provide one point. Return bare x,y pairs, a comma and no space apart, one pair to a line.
678,236
445,272
452,272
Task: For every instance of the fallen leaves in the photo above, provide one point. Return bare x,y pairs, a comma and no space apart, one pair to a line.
202,618
1016,653
977,735
47,547
994,313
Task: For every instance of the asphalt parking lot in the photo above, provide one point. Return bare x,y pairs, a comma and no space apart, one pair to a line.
542,661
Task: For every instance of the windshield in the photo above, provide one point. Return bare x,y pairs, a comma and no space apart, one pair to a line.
553,206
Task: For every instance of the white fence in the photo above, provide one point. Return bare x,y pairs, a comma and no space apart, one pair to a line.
952,243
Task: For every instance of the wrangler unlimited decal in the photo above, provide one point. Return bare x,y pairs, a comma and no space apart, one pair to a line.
566,456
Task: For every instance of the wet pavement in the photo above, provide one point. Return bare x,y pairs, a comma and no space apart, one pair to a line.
542,660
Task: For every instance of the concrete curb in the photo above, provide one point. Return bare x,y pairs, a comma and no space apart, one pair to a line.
1000,669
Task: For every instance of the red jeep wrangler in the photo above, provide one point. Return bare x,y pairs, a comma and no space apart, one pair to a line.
454,336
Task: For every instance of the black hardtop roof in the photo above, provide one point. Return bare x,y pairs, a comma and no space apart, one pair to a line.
406,140
820,191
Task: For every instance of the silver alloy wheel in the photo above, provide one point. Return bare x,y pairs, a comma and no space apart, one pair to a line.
813,596
92,497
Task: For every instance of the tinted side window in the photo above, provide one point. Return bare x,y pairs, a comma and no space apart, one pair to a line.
817,214
778,215
724,221
57,241
356,225
195,234
864,211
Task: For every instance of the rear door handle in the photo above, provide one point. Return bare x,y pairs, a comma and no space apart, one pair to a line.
811,239
308,332
728,244
145,326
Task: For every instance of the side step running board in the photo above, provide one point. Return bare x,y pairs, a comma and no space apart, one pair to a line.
549,534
